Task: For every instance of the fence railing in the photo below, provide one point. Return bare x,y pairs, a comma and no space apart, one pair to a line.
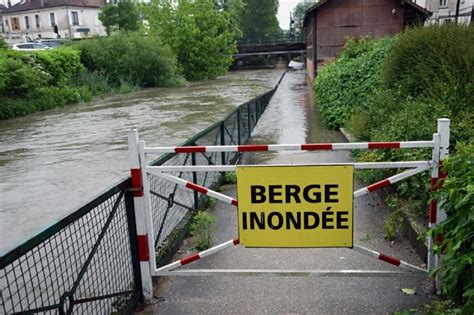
273,38
171,204
88,262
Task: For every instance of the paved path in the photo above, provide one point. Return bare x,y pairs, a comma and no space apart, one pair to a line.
295,295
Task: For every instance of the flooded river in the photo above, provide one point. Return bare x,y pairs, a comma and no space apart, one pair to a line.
52,162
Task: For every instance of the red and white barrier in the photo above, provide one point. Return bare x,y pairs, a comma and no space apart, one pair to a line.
388,259
141,215
141,193
189,259
293,147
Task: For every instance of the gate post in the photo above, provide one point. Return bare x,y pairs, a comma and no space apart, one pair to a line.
140,216
444,134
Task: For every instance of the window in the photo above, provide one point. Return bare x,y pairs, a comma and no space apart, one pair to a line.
52,17
37,19
15,24
27,22
443,3
75,18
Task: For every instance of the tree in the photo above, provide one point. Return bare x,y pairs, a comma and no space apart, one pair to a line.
123,16
200,35
259,19
299,12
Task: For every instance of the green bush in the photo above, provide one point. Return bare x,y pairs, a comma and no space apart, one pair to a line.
63,64
457,197
132,58
202,227
435,62
347,84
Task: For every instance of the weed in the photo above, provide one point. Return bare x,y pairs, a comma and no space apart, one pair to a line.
202,226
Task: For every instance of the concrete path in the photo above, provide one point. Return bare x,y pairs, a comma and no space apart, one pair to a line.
294,295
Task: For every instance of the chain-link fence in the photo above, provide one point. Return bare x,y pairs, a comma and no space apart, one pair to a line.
171,204
84,264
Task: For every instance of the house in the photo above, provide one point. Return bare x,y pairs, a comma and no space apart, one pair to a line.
41,18
329,23
445,10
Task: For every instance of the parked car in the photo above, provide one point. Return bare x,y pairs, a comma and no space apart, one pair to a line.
29,47
51,43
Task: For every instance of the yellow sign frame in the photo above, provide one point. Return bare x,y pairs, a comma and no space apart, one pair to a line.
296,206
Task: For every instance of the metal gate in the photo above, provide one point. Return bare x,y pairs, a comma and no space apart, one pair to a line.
141,171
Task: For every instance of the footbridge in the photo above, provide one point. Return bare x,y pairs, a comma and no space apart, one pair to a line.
271,45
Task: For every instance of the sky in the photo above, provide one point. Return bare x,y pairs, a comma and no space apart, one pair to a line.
286,6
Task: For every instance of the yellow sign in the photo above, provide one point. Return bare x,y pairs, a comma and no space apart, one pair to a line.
295,206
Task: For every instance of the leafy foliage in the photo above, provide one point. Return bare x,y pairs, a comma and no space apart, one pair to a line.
131,58
202,226
348,83
457,197
299,12
201,36
123,16
3,44
259,18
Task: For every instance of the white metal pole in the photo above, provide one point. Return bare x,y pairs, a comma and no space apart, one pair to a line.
444,133
147,206
432,209
139,204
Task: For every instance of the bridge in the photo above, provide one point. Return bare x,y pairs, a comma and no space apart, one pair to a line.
271,45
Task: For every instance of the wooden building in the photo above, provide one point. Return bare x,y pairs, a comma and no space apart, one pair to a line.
329,23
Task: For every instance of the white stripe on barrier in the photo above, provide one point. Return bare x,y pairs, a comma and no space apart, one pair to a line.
232,168
288,273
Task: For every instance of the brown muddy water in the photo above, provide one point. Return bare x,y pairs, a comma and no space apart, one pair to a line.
53,162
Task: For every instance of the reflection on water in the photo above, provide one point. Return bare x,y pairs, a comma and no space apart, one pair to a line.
54,161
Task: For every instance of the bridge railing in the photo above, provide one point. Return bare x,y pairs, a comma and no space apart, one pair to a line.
273,38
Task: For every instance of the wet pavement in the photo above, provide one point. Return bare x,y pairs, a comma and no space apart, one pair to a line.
291,118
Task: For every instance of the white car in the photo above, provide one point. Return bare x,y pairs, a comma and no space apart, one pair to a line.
29,47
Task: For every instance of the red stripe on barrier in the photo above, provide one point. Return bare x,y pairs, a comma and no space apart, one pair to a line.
190,149
234,202
316,146
142,242
379,185
434,182
189,259
236,241
252,148
389,259
384,145
197,188
137,183
433,209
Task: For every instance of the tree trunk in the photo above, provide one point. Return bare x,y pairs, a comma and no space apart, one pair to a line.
458,4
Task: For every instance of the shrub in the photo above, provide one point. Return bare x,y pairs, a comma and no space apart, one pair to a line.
202,226
62,64
346,84
133,58
435,62
457,197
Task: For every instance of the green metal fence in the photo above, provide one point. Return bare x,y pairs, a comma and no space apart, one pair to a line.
273,38
171,204
85,264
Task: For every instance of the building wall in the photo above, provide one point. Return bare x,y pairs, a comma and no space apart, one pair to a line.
442,14
87,18
339,19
